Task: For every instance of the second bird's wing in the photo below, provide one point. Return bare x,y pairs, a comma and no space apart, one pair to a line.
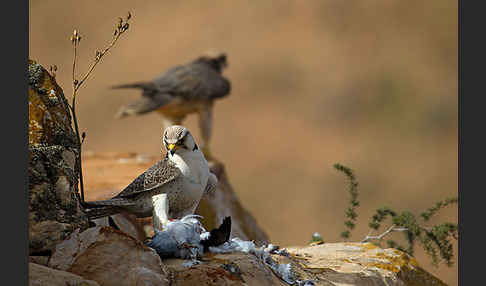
193,81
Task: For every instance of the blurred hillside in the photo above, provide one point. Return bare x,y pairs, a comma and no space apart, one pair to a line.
370,84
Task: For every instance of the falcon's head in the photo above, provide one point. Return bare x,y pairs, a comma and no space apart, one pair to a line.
178,139
216,60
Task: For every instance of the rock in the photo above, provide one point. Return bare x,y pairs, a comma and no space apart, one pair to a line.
49,117
333,264
39,259
128,223
109,257
357,264
223,269
54,210
125,222
44,276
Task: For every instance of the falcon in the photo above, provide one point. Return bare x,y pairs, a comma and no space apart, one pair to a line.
170,189
182,90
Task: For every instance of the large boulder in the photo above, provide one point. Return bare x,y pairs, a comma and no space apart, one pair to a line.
358,264
109,257
223,269
49,117
125,222
40,275
332,264
54,209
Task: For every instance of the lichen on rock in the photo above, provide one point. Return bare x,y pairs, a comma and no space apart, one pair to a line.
49,117
54,209
359,264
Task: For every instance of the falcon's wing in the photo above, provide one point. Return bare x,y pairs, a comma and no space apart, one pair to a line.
163,172
212,184
193,81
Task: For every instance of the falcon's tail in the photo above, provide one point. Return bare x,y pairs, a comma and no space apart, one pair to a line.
116,201
152,98
103,211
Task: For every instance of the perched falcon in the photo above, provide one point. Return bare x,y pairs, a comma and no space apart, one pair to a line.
183,90
170,189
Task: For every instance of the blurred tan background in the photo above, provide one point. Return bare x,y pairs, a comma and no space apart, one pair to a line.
369,84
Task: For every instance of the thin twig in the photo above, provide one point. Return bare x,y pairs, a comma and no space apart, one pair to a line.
97,60
75,39
369,233
392,228
75,44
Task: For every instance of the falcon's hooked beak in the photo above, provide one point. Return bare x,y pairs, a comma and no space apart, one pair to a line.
172,148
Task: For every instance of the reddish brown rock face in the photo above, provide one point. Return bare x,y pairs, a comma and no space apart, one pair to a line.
44,276
109,257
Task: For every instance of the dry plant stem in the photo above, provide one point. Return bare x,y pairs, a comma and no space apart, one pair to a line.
76,128
392,228
76,85
97,60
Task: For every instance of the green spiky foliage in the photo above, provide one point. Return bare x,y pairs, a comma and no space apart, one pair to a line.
435,240
351,214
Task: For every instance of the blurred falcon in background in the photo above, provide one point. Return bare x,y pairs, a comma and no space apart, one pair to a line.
182,90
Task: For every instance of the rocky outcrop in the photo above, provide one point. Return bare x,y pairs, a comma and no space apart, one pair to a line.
49,117
330,264
125,222
358,264
54,210
223,269
109,257
44,276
